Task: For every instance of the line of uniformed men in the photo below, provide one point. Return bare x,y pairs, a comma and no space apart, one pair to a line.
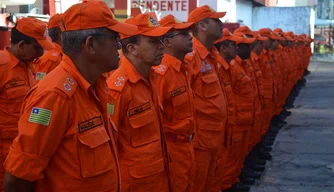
182,111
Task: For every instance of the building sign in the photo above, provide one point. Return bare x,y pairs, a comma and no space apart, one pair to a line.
179,8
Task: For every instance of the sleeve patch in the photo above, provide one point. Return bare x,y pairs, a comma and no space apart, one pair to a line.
40,116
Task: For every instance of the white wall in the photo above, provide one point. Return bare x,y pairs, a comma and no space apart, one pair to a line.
228,6
211,3
244,11
296,19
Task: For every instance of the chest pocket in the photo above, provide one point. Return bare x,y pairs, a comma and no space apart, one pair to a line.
181,106
15,92
144,128
243,85
211,85
95,153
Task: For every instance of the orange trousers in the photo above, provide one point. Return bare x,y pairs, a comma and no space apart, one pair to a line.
268,109
206,162
236,155
181,165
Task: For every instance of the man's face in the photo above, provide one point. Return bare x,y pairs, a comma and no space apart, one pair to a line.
258,46
274,45
31,51
150,50
244,50
267,44
231,50
181,41
214,28
107,51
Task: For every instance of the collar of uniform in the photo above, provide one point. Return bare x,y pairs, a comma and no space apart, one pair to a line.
270,52
264,51
172,61
70,67
58,48
203,51
254,56
280,46
13,60
127,68
223,62
238,59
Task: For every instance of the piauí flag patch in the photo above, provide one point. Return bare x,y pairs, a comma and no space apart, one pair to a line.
111,108
40,116
40,75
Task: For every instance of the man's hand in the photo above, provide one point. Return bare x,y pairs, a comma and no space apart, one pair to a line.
14,184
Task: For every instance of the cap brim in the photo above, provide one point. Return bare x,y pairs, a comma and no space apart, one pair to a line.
217,15
46,44
124,28
157,31
248,40
184,25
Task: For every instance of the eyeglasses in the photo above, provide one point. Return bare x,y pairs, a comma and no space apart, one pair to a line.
181,32
157,40
118,44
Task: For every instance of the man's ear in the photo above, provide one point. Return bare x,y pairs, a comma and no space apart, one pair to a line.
132,48
202,26
21,44
90,45
167,42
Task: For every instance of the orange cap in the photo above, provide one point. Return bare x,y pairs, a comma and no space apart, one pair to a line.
227,35
91,15
36,29
54,21
245,39
245,30
287,37
147,26
258,36
171,21
278,30
266,32
203,12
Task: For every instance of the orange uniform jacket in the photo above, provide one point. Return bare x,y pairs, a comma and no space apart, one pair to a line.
139,138
65,140
48,62
175,102
16,79
210,102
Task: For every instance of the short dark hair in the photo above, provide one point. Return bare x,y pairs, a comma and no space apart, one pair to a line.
133,39
54,32
16,36
195,29
224,43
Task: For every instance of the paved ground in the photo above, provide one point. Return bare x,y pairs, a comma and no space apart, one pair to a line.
303,153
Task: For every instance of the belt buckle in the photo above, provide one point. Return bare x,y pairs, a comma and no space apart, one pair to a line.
190,138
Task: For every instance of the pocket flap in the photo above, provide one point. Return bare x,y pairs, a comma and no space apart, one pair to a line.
180,99
141,170
210,78
94,137
17,91
245,79
142,119
9,133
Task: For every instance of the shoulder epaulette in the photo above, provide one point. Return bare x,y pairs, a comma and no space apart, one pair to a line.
4,58
67,85
161,69
50,56
190,56
117,81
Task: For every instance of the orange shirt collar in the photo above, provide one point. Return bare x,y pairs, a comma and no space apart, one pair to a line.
130,70
223,62
172,61
58,48
203,51
254,56
238,59
264,51
70,67
13,60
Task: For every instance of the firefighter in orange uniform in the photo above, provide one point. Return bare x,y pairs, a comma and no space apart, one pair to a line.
28,39
52,58
243,101
172,88
66,140
210,100
140,138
